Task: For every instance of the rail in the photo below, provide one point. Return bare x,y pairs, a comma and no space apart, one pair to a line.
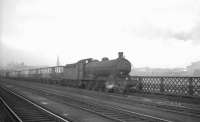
107,111
25,110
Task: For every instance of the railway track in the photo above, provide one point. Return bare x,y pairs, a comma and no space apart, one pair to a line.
164,105
23,110
167,106
183,110
113,113
6,114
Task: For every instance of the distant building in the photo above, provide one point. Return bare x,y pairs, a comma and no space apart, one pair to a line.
19,66
194,68
196,72
58,61
194,65
159,72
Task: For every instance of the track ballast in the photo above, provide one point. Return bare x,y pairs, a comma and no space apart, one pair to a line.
24,110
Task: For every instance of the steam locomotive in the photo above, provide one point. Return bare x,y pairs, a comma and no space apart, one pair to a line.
105,75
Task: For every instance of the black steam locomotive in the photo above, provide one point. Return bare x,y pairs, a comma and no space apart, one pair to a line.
105,75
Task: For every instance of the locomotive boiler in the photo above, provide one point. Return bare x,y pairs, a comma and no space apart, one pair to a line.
106,67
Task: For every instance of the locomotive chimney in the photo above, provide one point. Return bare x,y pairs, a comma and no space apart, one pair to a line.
120,55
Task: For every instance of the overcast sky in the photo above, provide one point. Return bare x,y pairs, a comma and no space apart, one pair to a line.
153,33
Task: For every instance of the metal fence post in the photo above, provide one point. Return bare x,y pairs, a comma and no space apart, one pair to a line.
191,88
140,83
161,84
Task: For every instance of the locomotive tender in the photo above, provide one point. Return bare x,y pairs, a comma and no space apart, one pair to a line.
105,75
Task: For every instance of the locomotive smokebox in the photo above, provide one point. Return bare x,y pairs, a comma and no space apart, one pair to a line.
120,55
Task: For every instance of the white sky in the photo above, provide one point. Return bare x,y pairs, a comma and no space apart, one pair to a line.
153,33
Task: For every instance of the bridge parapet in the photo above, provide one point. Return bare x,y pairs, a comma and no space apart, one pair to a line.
183,86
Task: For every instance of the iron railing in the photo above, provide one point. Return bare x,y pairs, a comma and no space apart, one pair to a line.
185,86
